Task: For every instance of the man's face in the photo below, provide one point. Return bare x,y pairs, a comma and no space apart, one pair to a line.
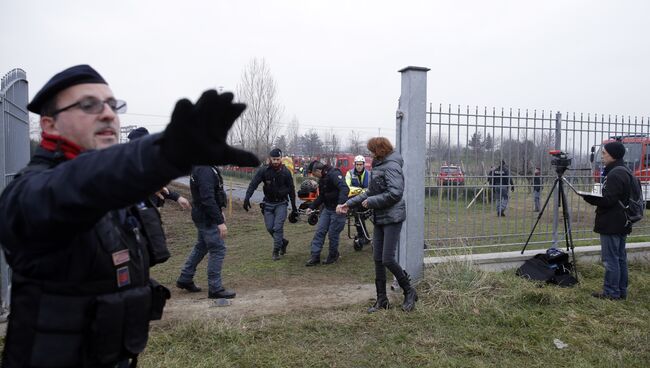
606,158
359,166
276,161
90,131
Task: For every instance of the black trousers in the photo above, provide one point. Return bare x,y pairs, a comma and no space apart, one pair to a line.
385,240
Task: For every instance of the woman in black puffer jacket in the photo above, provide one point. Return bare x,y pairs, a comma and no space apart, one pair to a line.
384,197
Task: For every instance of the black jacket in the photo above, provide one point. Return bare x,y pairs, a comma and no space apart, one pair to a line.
208,195
500,176
61,225
332,189
386,191
537,183
610,216
278,185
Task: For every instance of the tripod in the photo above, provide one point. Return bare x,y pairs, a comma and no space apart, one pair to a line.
568,238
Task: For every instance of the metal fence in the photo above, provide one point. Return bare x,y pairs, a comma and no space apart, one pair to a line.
464,144
14,145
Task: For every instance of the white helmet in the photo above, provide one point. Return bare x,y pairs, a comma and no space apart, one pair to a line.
360,159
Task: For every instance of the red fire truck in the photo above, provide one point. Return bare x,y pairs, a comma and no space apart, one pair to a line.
345,162
637,159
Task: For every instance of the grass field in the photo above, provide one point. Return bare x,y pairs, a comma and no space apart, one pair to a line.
465,317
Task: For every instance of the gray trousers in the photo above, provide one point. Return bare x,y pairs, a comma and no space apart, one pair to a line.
274,216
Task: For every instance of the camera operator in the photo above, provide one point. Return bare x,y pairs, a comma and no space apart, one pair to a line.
611,221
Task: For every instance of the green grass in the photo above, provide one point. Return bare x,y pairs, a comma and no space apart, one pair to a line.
465,318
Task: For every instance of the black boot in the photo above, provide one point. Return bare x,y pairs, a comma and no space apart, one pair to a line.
410,295
332,258
313,261
283,250
276,255
382,299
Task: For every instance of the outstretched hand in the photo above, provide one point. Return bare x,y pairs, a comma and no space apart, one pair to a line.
197,133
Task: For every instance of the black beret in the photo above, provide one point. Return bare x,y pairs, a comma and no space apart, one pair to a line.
70,77
275,153
615,149
137,133
315,165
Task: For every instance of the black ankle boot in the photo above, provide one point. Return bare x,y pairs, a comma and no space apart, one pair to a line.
381,303
410,295
382,299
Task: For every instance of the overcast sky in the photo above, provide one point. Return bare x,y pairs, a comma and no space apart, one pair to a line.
336,62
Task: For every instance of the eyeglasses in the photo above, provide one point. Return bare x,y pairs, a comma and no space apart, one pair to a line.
93,105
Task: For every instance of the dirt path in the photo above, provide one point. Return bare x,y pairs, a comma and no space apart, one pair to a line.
251,303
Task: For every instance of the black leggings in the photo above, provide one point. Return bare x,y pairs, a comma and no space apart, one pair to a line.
385,239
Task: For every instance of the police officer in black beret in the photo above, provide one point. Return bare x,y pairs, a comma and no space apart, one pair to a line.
278,191
76,232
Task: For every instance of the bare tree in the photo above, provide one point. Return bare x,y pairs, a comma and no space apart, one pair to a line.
356,145
258,126
312,143
294,137
332,142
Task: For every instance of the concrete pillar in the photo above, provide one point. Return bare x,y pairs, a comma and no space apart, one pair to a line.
411,144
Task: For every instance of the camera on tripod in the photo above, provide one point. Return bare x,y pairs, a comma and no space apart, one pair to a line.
561,159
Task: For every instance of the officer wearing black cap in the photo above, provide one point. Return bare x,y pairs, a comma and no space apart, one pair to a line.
75,232
611,222
278,191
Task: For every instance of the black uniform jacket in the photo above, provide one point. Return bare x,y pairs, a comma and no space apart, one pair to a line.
73,233
332,189
208,195
610,216
278,185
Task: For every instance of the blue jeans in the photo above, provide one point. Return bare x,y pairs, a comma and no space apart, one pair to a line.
501,197
211,243
329,224
274,216
614,259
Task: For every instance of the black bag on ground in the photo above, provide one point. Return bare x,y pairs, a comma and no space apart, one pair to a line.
553,267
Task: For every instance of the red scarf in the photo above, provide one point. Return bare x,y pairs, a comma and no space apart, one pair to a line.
55,143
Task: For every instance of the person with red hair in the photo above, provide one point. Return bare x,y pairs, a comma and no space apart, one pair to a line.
384,196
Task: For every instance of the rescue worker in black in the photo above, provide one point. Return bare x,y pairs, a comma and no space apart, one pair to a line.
501,180
75,230
332,191
278,191
209,197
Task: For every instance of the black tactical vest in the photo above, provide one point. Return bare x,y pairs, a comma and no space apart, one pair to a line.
100,314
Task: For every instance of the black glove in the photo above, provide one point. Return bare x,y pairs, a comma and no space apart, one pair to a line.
247,204
196,134
512,189
294,209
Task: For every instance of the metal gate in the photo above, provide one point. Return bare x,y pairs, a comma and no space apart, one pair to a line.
465,144
14,145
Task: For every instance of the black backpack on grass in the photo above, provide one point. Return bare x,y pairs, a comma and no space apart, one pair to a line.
553,267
